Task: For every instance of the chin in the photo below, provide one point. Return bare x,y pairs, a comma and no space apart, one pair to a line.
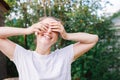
46,41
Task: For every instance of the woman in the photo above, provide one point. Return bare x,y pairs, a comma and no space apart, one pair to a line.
44,64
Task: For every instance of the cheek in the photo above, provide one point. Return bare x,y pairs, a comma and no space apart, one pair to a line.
56,37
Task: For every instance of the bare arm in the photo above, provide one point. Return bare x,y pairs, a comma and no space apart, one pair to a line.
10,31
7,46
85,41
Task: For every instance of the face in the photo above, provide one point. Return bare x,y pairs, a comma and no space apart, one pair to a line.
48,37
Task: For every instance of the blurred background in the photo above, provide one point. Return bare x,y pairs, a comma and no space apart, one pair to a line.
101,17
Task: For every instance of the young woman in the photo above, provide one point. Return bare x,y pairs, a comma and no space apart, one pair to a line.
44,64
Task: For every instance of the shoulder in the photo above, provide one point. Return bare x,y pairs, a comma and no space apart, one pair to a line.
21,53
66,49
65,53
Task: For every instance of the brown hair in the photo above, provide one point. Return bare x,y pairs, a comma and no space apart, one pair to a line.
42,18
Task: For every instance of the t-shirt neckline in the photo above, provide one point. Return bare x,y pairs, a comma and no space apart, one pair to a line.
40,55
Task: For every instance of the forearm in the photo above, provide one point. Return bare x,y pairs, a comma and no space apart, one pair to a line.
82,37
10,31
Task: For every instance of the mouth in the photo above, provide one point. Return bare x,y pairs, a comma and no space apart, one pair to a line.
47,37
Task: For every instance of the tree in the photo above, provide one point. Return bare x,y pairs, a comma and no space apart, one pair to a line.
101,62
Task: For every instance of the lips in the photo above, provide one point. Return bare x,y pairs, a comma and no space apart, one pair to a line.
47,37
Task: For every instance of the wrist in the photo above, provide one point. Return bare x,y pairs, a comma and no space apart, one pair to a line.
68,36
28,31
65,36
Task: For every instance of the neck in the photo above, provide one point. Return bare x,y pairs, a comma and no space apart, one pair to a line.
43,50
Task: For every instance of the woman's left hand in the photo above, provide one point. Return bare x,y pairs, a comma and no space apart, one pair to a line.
58,27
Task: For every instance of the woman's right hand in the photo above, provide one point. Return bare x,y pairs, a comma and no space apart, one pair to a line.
37,28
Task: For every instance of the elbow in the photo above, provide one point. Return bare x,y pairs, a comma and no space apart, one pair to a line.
96,38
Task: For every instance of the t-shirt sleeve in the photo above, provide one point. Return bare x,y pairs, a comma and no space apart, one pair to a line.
19,54
68,53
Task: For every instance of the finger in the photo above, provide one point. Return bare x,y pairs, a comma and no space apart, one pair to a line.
45,26
55,26
55,30
40,32
54,23
41,26
36,30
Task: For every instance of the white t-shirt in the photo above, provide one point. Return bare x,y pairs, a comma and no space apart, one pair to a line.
33,66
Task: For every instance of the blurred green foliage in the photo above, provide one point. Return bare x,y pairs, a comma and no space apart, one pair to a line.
101,62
